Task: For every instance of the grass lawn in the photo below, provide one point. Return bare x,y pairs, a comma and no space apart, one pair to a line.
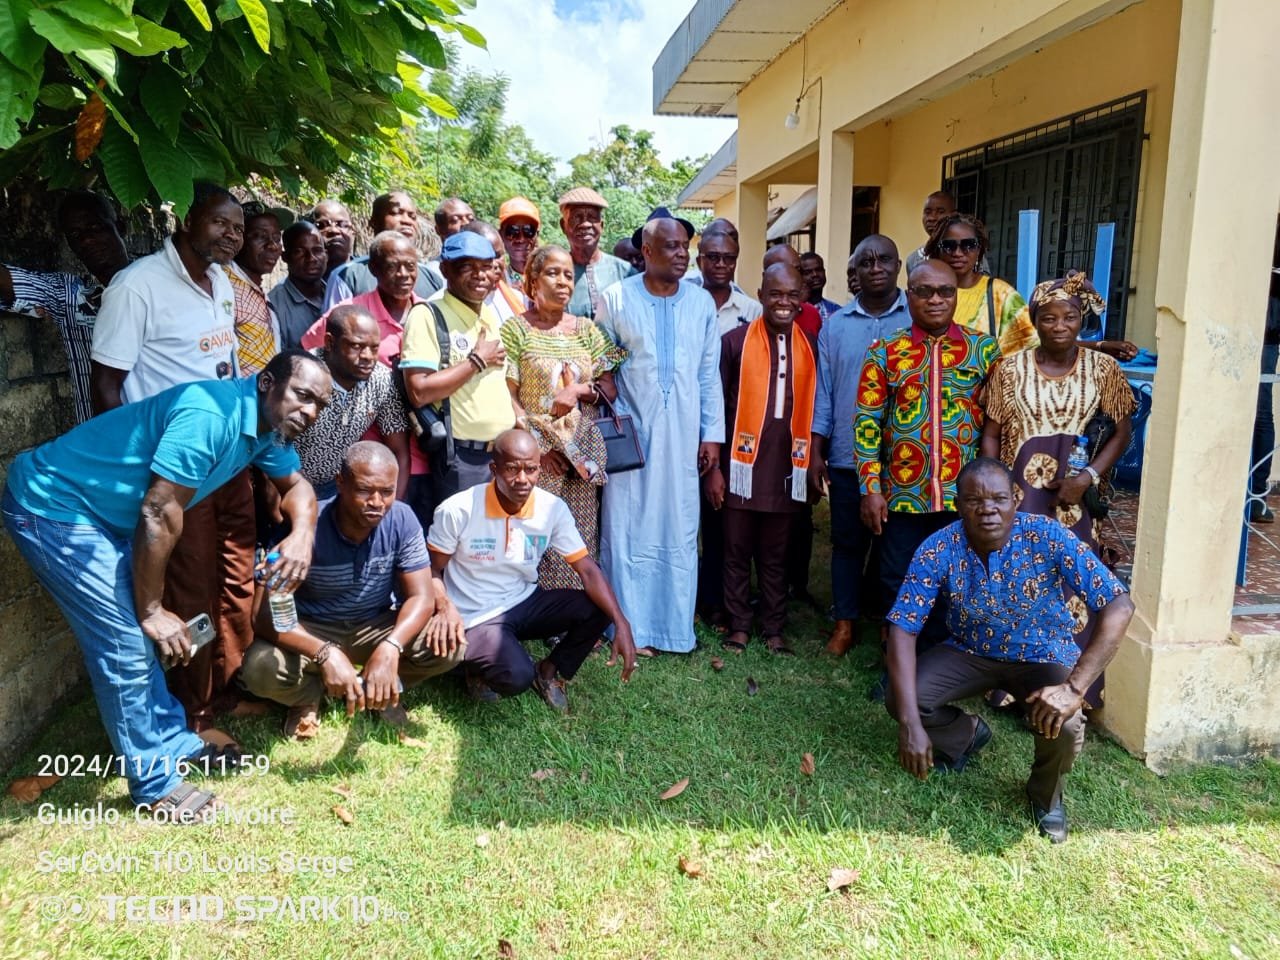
455,846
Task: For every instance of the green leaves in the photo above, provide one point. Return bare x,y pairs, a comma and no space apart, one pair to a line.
70,37
168,166
259,24
122,166
200,12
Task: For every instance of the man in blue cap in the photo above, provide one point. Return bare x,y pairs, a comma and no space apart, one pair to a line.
452,361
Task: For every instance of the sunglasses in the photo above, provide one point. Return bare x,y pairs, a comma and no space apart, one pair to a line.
526,230
968,245
924,291
725,258
337,224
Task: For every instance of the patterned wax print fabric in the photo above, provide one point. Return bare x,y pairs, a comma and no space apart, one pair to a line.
1040,417
541,363
670,385
918,417
1014,328
1012,606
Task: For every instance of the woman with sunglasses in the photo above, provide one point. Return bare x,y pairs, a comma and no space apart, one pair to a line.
559,367
519,223
986,304
1039,403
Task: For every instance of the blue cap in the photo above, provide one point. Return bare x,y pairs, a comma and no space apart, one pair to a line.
467,246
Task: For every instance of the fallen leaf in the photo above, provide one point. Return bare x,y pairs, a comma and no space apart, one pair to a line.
752,687
544,774
690,868
505,950
412,741
675,789
482,840
26,789
807,765
717,664
343,814
841,878
47,782
89,127
343,791
585,775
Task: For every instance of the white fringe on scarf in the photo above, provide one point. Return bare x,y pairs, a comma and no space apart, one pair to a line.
799,484
740,479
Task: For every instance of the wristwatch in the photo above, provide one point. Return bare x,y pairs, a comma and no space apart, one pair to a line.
1093,473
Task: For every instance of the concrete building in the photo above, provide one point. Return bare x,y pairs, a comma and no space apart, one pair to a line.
1154,115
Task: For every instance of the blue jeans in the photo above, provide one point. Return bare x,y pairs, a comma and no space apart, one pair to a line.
88,572
850,541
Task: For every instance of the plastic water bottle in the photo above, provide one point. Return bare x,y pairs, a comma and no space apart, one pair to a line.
284,613
1079,458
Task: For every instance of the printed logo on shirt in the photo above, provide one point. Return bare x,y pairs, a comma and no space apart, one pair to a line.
218,340
483,549
229,307
535,545
461,343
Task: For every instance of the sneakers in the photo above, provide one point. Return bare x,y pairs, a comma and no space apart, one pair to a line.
981,737
1051,823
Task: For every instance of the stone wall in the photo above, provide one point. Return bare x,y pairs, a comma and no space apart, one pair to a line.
40,664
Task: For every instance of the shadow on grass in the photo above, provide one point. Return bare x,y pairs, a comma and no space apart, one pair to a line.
621,746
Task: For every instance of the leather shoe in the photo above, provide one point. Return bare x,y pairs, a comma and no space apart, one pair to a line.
842,638
552,692
981,737
481,692
1051,823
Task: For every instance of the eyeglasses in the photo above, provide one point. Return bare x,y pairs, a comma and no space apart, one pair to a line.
950,246
337,224
926,292
871,259
526,230
728,259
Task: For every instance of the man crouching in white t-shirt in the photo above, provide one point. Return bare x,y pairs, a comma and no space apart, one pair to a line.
485,546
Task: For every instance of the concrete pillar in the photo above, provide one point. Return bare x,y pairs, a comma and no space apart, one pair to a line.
1183,686
753,217
835,209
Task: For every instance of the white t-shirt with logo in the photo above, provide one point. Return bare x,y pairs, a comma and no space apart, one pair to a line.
160,326
495,555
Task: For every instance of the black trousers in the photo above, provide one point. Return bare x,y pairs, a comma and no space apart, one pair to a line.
495,650
711,559
469,467
753,535
903,534
944,674
850,544
800,549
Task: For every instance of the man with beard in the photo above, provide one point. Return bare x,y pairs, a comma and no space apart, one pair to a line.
97,514
167,320
298,300
594,271
670,385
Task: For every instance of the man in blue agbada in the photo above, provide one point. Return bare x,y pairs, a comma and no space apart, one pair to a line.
96,514
670,385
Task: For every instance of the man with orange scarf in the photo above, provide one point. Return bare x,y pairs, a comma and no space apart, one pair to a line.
770,375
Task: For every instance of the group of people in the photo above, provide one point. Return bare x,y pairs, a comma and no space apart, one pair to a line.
388,468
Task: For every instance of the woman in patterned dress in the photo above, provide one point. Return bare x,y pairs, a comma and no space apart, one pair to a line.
558,368
1040,400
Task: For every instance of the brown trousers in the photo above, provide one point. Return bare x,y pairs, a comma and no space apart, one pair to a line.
944,674
292,679
754,535
211,571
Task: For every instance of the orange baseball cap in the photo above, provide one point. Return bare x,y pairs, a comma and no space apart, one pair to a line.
518,207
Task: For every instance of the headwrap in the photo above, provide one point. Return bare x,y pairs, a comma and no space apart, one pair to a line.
1074,288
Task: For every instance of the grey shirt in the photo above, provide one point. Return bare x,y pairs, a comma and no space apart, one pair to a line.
295,312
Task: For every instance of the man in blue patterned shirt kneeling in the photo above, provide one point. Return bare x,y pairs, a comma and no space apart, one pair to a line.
1002,574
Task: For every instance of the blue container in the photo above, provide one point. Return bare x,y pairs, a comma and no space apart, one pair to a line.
1127,473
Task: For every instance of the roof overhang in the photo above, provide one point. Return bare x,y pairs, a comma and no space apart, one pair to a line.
718,176
720,46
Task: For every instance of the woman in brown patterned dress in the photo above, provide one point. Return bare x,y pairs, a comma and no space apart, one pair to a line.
1040,400
558,367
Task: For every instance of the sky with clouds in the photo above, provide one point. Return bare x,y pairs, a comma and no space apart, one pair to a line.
579,67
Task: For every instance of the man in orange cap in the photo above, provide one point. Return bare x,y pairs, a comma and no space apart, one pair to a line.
594,271
519,223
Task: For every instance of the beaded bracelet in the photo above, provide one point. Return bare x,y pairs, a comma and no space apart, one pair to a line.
323,653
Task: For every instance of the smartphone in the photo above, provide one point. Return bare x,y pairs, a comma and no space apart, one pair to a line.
201,628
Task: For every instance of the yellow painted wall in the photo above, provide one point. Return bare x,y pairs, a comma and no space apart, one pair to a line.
875,69
727,206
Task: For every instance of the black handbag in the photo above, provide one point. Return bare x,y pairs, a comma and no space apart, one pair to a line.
1097,499
433,424
621,442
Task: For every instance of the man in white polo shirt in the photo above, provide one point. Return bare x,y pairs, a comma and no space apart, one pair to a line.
169,319
485,546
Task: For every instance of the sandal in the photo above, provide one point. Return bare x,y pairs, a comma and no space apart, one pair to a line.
778,647
183,806
734,646
302,722
649,652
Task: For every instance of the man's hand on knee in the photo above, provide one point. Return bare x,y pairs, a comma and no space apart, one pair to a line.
1051,707
380,675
